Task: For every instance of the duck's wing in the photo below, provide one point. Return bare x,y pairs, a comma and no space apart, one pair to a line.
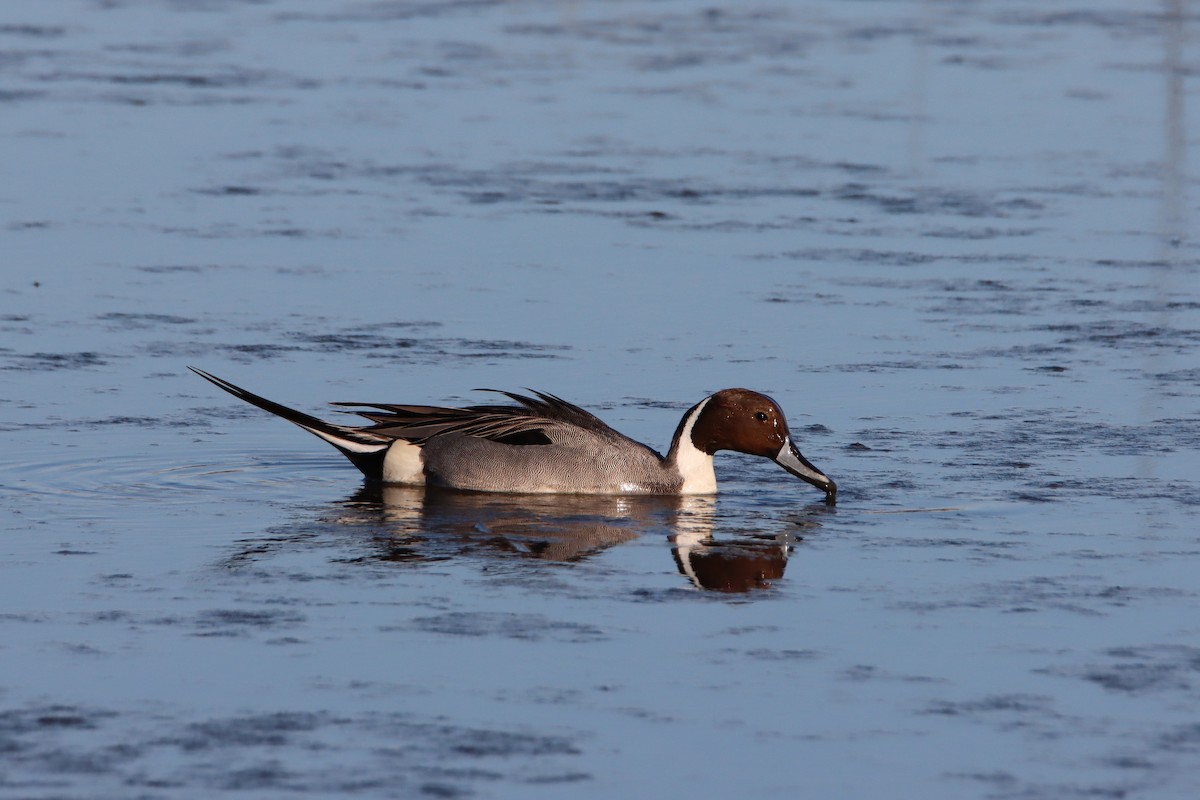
541,419
538,420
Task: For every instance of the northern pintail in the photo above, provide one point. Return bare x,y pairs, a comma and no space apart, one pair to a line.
543,444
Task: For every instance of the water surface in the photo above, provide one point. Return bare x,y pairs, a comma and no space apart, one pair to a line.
953,240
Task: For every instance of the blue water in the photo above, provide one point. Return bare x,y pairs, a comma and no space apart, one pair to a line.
954,241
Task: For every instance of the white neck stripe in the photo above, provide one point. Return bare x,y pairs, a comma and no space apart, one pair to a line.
686,434
694,465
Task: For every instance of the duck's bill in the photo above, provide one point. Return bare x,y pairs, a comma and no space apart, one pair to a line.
790,459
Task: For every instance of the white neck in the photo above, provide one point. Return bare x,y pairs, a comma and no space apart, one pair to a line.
694,465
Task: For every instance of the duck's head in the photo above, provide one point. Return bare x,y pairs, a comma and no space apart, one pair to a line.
752,423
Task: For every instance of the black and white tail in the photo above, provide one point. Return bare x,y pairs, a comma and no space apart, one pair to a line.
364,449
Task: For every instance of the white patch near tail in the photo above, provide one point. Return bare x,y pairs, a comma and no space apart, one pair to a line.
345,442
695,466
403,464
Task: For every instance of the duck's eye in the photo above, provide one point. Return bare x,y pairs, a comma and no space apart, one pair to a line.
761,416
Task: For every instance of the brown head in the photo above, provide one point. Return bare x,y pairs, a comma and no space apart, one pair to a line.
752,423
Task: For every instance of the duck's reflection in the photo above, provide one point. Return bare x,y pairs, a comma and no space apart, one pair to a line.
439,523
734,565
419,524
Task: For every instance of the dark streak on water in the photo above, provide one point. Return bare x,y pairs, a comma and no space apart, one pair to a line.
242,753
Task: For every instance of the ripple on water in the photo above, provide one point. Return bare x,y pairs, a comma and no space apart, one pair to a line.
413,756
162,477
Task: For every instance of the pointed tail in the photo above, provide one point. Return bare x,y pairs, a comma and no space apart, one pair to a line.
365,450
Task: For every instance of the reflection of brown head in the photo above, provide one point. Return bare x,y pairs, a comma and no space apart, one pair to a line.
733,567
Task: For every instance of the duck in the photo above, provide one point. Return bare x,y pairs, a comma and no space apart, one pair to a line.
542,444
